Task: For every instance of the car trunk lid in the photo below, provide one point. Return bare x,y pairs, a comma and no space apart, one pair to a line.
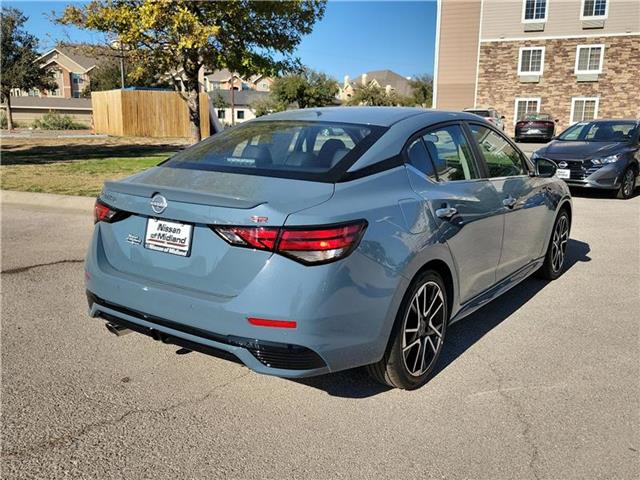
199,199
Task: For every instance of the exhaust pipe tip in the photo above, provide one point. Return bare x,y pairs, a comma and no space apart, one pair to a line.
117,330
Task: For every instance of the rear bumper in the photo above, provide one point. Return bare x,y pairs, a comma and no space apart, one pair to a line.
524,135
344,312
273,355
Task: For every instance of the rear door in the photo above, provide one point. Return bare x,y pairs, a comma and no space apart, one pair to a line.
445,173
523,199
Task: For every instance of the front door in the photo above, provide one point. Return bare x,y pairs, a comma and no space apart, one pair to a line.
465,205
523,200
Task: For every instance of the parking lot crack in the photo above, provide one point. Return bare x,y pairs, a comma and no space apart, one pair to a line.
520,415
13,271
73,436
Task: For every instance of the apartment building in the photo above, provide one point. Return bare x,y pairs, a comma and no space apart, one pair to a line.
573,59
70,70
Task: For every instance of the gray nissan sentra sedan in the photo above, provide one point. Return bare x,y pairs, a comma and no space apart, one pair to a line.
312,241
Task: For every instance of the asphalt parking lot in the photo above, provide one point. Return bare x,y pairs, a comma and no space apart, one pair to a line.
542,383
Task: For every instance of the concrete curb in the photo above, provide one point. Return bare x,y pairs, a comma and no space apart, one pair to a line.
67,202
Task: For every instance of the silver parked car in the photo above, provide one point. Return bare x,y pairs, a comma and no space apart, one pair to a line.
312,241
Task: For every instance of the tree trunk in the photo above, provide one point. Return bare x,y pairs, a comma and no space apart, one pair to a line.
198,132
193,94
9,114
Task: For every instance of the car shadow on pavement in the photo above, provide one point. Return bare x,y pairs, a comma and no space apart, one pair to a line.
460,336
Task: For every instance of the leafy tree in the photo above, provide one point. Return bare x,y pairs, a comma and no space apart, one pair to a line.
422,86
185,37
306,89
19,66
267,105
375,96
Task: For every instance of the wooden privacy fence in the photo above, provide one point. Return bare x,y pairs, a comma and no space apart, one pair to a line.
146,113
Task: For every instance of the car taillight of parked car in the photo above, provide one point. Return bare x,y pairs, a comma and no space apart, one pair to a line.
307,245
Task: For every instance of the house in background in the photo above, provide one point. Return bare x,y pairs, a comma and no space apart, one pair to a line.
243,101
224,80
573,59
387,79
71,73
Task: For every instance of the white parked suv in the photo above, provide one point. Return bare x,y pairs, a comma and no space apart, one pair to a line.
489,114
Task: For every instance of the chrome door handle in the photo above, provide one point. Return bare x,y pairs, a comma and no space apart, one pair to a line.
509,202
446,212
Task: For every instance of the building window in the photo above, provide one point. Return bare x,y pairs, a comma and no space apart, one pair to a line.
584,108
534,11
221,113
240,115
589,59
525,106
594,9
531,61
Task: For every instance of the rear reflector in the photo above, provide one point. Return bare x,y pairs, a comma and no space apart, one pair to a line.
308,245
263,322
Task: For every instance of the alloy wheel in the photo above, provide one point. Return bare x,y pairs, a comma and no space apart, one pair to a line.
423,329
627,187
559,243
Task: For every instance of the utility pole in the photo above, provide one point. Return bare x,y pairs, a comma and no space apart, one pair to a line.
233,99
121,66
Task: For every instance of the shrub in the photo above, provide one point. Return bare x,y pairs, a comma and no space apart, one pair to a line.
55,121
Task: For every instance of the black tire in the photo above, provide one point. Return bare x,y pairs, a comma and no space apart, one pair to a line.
551,269
628,186
392,369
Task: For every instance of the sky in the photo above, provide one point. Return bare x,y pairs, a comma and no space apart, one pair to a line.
353,37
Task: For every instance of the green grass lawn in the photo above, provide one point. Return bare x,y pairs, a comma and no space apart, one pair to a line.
76,177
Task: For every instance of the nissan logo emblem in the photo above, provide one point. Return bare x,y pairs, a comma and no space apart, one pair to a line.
158,203
563,164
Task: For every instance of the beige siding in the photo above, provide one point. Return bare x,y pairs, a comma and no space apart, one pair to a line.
458,50
503,19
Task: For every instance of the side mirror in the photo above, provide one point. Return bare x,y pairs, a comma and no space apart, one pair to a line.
545,168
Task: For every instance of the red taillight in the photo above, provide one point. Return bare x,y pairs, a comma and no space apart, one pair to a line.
105,213
308,245
263,322
102,213
520,124
262,238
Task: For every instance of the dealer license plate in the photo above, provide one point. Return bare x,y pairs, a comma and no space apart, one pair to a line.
563,173
168,237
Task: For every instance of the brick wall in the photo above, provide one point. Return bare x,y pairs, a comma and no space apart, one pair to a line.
618,86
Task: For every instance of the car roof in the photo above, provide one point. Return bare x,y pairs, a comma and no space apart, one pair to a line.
598,120
381,116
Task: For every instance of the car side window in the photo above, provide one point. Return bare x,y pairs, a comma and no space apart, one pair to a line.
450,153
418,158
502,159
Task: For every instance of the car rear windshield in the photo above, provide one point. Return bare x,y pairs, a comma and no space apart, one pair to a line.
319,151
481,113
537,116
602,131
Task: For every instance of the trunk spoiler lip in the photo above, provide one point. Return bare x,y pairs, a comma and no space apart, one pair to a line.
179,194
